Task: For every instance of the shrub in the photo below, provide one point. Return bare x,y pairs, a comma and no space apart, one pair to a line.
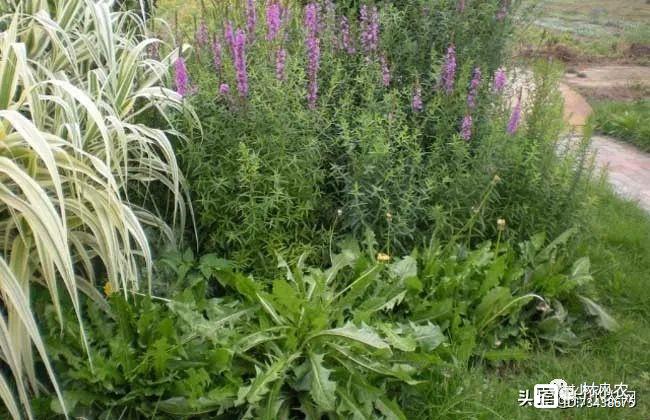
280,169
332,342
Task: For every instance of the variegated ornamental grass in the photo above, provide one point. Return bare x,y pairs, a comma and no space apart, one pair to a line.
74,75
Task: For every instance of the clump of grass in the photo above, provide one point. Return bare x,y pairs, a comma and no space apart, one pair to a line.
625,120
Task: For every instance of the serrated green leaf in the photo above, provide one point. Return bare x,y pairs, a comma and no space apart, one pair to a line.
580,272
373,365
389,409
405,268
364,335
210,264
352,407
259,386
428,336
605,320
397,339
322,390
268,307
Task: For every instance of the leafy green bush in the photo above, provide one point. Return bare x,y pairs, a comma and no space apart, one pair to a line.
351,340
270,173
625,120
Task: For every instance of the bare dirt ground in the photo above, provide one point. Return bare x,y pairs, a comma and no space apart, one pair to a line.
616,82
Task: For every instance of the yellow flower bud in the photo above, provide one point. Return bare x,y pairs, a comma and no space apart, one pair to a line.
108,289
381,257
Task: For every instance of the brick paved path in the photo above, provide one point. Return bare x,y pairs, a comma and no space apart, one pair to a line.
628,169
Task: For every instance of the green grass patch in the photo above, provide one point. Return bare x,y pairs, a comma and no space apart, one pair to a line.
589,30
615,236
625,120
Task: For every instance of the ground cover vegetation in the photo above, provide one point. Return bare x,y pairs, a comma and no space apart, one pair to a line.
582,32
625,120
373,207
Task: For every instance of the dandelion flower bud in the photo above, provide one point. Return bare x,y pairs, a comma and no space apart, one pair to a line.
381,257
108,289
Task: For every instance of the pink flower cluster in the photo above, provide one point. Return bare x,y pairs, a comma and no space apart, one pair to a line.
449,70
313,53
515,118
217,53
229,35
416,102
202,35
346,39
499,82
466,128
181,78
239,58
273,21
251,19
369,29
385,71
280,62
473,88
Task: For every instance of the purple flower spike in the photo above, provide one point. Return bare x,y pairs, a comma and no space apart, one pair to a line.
466,128
499,80
181,77
202,36
280,62
251,19
273,21
239,57
313,53
473,88
346,39
515,118
416,103
449,69
224,89
385,71
217,52
461,6
229,35
311,19
369,29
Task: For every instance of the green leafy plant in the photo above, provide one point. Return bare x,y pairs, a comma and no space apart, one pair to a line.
146,360
272,175
355,339
319,344
625,120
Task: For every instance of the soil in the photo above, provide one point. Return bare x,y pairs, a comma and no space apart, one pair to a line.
615,82
629,54
576,107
